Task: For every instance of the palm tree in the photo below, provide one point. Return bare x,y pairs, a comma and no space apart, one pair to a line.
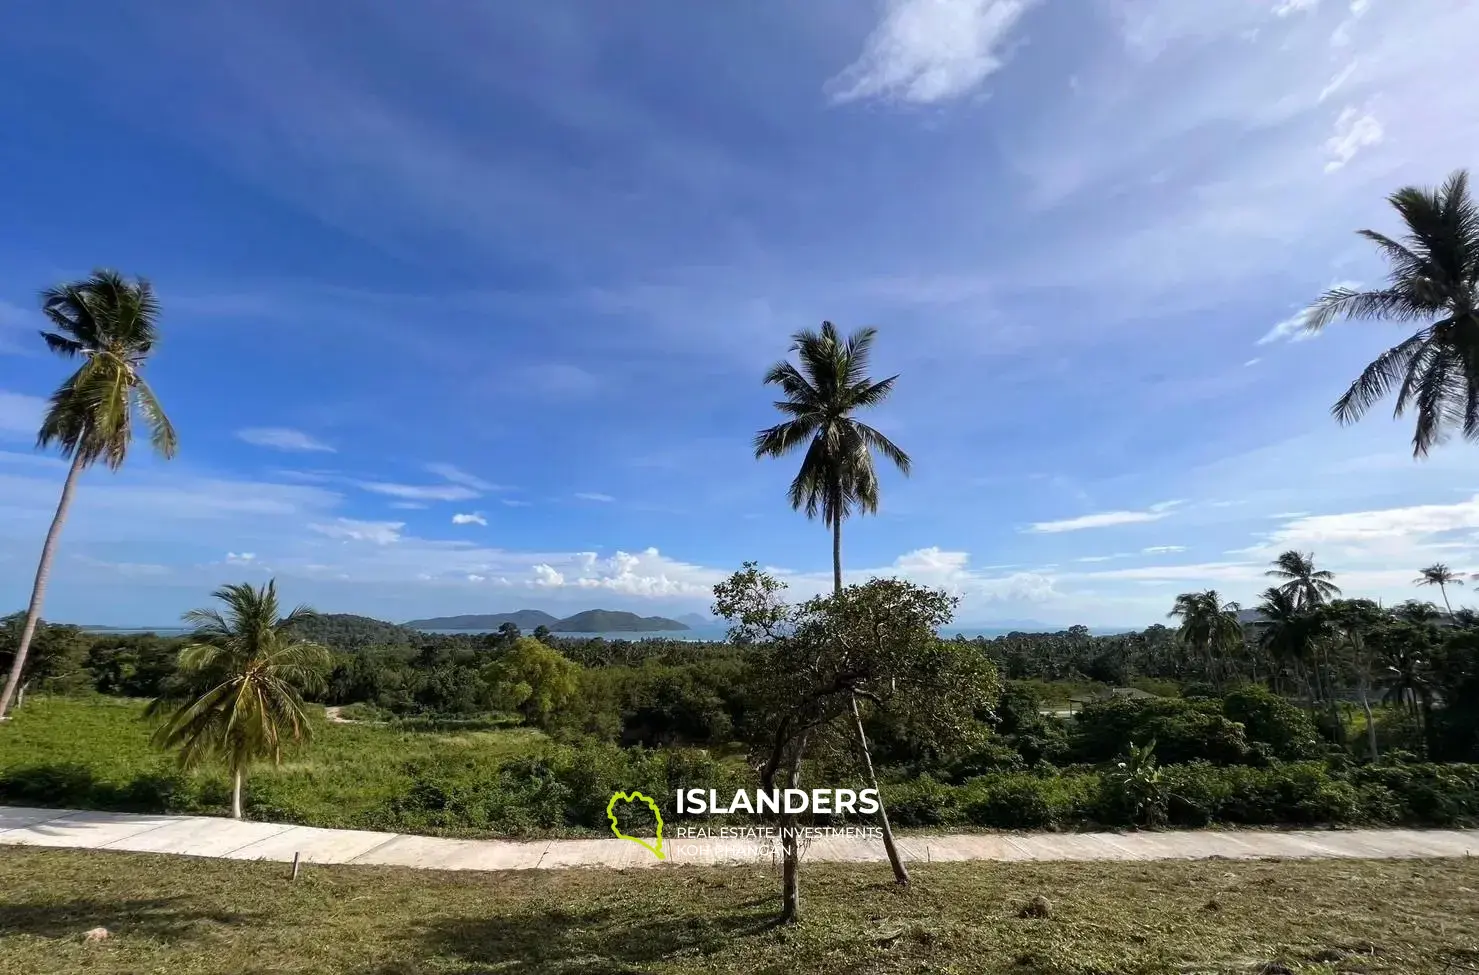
837,475
239,691
1284,631
1441,576
1433,279
109,323
1209,626
1308,586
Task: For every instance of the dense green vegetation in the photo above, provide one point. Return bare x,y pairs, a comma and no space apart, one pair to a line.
193,917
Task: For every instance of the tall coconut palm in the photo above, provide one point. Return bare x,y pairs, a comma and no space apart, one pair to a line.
837,476
110,324
1209,626
1284,631
1432,280
1309,586
1441,576
238,695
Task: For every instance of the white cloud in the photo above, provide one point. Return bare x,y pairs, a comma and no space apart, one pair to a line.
544,575
927,51
1291,328
1162,549
473,518
1104,519
240,558
283,438
474,577
1354,131
1252,362
20,415
1287,7
1413,522
515,503
349,529
457,475
408,505
1336,82
1200,573
420,492
594,496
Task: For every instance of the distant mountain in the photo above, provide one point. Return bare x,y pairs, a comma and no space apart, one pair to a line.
615,621
348,630
525,619
697,619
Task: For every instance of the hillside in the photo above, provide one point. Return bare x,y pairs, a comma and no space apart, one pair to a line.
348,630
524,619
614,621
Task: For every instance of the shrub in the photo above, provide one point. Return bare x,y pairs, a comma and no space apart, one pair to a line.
1436,795
1021,801
922,802
1185,731
1271,720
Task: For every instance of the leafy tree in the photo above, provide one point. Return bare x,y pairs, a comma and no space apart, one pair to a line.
1433,279
533,679
1209,626
837,475
811,664
1309,586
1353,621
57,657
110,324
1441,576
238,694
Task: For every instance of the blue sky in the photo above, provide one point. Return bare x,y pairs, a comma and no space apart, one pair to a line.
526,263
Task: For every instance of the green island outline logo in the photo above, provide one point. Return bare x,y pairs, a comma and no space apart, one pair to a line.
633,797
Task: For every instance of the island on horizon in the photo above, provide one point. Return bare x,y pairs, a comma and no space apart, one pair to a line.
590,621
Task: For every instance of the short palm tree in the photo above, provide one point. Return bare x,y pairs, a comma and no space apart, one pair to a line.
1432,279
1441,576
238,695
837,475
1310,587
108,322
1285,630
1209,626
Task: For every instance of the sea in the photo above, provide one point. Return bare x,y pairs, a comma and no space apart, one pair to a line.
697,634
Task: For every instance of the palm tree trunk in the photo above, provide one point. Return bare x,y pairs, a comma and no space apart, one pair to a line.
236,793
43,572
837,554
901,872
1444,590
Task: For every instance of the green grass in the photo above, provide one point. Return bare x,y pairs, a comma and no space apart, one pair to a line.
349,772
190,917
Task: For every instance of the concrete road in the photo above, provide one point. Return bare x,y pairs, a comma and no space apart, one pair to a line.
205,836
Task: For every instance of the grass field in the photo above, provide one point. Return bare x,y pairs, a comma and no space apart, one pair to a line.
190,917
350,771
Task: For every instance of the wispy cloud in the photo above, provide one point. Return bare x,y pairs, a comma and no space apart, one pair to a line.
472,518
457,475
349,529
283,438
420,492
1354,130
930,50
594,496
1104,519
1162,549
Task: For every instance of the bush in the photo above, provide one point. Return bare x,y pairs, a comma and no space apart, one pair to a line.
1271,720
1022,801
1434,795
922,802
1303,792
1184,730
